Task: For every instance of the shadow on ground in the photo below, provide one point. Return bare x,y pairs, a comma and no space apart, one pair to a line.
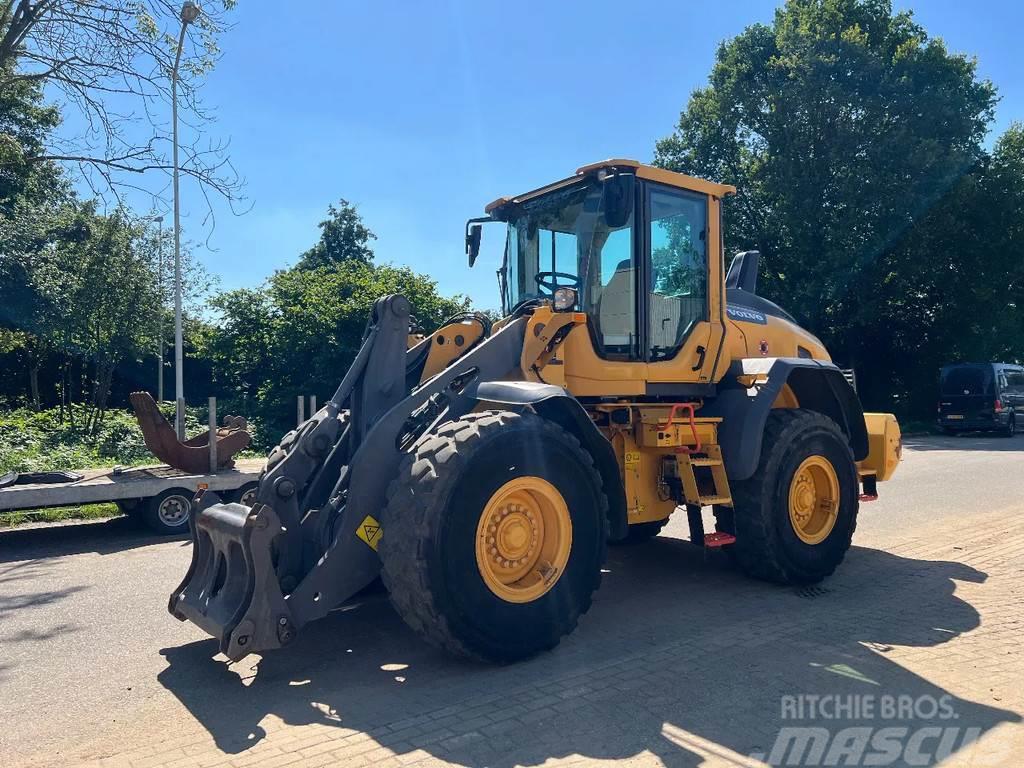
54,540
679,656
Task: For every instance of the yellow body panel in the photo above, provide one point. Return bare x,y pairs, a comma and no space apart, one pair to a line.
778,338
652,452
885,446
449,343
640,471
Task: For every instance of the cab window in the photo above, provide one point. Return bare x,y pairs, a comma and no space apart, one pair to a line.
678,268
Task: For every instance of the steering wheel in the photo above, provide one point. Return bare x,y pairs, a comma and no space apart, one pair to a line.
549,280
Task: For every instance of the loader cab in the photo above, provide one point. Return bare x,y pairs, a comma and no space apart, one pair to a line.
636,248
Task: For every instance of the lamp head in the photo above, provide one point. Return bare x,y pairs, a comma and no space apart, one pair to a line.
189,12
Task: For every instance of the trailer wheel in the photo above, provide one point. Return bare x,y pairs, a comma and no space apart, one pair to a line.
167,513
494,535
794,518
128,506
246,495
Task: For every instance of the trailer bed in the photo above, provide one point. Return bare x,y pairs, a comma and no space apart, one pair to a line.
127,484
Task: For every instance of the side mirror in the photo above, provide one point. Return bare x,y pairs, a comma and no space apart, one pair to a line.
473,233
617,199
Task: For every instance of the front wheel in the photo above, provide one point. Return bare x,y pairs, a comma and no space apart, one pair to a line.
494,535
794,518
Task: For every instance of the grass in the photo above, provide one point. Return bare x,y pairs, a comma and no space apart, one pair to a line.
59,514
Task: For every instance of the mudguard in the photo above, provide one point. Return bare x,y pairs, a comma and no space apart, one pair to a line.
818,386
557,405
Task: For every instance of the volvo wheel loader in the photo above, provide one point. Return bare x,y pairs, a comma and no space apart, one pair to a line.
482,469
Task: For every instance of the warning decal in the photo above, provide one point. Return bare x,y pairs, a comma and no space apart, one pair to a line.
633,461
369,531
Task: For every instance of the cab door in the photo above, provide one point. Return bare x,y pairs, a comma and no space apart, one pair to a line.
683,280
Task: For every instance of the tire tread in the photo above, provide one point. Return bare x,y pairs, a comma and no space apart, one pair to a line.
414,512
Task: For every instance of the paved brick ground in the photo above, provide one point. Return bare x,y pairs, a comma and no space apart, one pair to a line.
681,662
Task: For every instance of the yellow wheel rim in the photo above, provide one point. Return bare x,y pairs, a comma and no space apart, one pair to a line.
814,499
523,539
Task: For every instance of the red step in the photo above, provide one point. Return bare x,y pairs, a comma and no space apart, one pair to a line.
718,539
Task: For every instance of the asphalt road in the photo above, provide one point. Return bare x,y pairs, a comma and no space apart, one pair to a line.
89,654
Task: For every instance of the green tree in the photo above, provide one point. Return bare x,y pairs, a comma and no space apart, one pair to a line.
298,333
845,127
343,237
109,64
102,290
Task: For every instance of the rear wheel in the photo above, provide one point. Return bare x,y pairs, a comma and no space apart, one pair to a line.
167,513
494,535
794,518
1011,427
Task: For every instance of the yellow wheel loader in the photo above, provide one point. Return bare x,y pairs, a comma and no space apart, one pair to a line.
481,470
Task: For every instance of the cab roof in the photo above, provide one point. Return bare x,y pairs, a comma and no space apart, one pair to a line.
660,175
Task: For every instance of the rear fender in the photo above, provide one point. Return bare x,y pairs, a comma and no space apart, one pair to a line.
817,385
556,405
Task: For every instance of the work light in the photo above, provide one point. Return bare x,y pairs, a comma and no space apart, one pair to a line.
564,299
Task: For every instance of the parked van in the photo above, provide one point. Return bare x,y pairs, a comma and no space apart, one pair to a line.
981,396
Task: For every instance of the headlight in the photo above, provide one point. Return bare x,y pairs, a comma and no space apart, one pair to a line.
564,299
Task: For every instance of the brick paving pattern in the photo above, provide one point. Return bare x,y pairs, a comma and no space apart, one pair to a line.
682,662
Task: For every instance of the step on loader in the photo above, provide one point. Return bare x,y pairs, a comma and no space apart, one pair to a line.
482,469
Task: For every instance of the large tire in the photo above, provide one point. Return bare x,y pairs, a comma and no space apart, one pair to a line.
639,533
768,546
430,535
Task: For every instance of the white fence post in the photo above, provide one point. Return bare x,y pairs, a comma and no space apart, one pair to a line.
213,435
300,414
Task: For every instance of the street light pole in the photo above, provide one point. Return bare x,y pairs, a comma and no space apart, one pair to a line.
189,13
160,309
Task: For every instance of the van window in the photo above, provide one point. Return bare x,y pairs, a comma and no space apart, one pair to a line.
966,380
1015,381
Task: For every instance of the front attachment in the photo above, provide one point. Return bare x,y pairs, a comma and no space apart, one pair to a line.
231,590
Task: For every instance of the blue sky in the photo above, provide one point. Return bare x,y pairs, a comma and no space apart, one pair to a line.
420,113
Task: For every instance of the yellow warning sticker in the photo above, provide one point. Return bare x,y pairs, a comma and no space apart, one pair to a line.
633,460
369,531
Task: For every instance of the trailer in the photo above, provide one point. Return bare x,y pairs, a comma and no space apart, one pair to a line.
160,495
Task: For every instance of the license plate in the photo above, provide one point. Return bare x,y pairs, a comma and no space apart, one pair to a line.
954,416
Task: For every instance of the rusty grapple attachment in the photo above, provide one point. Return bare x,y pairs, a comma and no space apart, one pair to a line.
192,455
308,543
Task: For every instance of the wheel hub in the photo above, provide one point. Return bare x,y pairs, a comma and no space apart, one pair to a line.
814,500
523,539
174,509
